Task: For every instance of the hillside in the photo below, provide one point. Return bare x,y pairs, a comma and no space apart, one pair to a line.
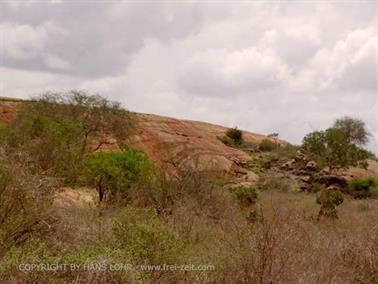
246,212
174,143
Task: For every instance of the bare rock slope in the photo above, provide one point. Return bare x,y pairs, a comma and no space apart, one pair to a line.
174,143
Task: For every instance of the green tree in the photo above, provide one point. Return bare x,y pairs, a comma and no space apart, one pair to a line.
118,172
332,148
329,199
354,129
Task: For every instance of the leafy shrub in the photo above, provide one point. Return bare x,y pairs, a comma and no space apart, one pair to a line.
118,172
266,145
263,163
361,188
227,140
144,238
316,187
329,199
235,135
246,195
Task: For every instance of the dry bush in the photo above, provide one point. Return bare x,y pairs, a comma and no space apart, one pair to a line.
25,200
284,247
197,222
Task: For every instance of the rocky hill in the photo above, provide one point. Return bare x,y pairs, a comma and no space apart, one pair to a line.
175,144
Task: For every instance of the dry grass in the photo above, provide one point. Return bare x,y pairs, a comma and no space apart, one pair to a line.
290,246
283,243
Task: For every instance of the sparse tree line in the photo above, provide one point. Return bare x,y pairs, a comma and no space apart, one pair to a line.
338,147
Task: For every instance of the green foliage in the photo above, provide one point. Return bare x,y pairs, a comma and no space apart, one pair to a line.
32,250
287,151
118,172
317,187
361,188
332,148
314,143
263,163
144,238
329,199
235,135
227,140
354,129
246,195
267,145
59,130
272,182
3,133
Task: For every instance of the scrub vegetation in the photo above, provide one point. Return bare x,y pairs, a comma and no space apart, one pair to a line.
143,221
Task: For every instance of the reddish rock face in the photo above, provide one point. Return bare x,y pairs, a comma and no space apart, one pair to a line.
174,143
8,111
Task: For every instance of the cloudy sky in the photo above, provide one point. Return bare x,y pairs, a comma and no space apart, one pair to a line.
287,67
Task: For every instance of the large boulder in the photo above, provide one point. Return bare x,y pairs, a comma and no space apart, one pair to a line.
174,144
333,180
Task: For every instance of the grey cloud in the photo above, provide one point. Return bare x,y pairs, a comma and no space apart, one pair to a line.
100,37
263,66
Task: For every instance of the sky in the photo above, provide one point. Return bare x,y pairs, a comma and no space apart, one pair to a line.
290,67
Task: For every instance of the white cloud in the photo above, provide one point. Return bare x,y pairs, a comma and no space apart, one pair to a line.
22,41
23,84
353,55
56,62
222,72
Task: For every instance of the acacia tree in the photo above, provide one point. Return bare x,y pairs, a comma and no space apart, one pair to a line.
60,130
332,148
354,129
118,172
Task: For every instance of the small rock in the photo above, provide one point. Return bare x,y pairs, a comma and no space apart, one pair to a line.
302,172
334,187
245,184
289,165
241,171
300,155
306,179
324,171
311,165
